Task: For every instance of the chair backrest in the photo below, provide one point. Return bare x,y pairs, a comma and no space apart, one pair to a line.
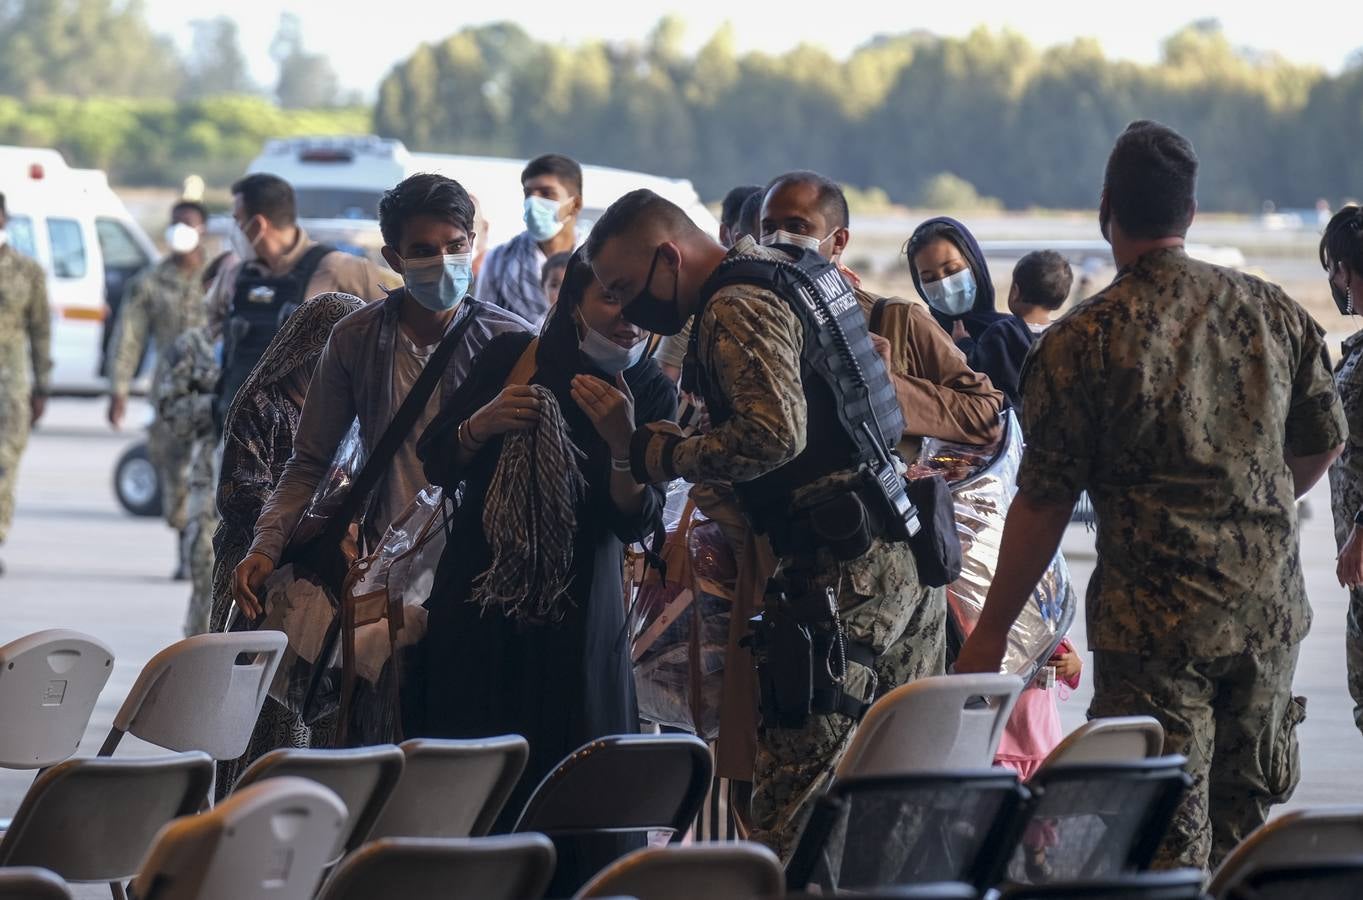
940,890
363,777
946,722
1341,879
93,819
202,693
32,884
1300,837
272,839
452,789
49,683
1176,884
507,867
1117,739
734,871
1100,820
632,782
888,831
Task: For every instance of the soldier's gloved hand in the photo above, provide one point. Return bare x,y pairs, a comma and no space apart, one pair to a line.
651,452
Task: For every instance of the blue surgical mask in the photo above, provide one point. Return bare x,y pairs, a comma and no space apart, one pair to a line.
438,282
952,296
541,218
606,354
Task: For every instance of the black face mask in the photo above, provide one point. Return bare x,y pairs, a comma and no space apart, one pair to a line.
651,312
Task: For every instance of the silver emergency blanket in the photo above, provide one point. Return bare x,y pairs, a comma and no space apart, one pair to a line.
983,482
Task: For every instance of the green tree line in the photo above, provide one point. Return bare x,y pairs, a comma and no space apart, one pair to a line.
909,114
912,118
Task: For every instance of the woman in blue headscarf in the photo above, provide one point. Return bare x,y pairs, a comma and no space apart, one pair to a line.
950,274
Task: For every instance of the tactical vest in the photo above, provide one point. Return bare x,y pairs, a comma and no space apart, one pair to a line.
848,393
261,303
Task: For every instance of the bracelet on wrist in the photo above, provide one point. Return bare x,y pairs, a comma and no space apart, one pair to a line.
466,438
468,428
1358,517
620,465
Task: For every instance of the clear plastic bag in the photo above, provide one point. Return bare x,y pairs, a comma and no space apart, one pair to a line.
331,491
680,627
983,482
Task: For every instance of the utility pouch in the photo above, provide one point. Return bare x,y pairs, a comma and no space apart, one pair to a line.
843,525
783,651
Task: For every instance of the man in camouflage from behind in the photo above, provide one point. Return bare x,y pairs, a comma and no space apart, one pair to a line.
25,346
160,304
186,390
1195,405
749,345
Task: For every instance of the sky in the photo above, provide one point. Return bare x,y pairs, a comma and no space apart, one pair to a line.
366,40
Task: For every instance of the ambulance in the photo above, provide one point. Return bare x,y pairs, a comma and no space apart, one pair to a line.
338,182
88,245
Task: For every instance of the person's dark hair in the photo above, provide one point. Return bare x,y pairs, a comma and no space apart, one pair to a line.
1343,241
636,207
557,261
559,331
561,167
193,205
731,209
425,194
267,195
932,230
832,201
1151,181
1043,278
750,216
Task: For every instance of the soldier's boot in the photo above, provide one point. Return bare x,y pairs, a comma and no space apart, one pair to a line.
181,572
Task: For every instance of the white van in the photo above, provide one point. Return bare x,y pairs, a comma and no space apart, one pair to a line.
87,242
339,180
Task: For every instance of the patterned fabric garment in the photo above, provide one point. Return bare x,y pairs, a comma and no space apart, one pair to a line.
1346,500
510,278
1171,397
159,305
1233,717
25,346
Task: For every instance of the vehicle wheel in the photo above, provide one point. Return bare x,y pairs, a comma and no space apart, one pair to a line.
136,482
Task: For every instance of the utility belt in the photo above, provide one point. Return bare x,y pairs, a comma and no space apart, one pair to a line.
846,524
802,655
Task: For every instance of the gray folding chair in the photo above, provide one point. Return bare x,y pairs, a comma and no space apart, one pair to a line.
49,683
733,871
452,789
932,724
1118,739
272,839
511,867
363,778
1303,837
32,884
201,693
92,820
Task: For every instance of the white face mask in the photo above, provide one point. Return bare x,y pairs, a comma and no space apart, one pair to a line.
242,246
606,354
182,238
804,241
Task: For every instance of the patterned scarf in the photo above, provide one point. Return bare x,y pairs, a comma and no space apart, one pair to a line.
530,519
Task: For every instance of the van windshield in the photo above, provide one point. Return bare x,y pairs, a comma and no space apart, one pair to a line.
337,203
21,236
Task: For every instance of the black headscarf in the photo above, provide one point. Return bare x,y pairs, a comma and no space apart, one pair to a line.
983,314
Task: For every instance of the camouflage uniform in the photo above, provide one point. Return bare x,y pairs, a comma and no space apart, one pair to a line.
750,345
1346,496
25,345
185,391
1172,396
160,304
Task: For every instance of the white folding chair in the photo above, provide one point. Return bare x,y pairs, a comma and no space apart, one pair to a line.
32,884
201,693
49,683
511,867
733,871
92,820
1115,740
452,789
1323,835
272,839
942,722
363,777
